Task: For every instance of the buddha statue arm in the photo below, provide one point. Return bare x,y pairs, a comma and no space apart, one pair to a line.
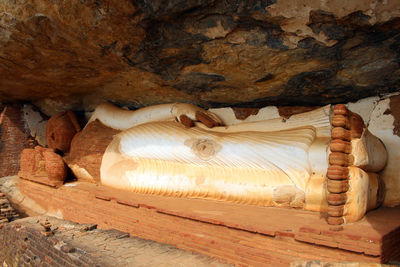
120,119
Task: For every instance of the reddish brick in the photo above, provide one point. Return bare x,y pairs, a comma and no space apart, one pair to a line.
286,234
13,136
306,229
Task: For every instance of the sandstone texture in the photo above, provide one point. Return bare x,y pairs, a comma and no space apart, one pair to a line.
78,53
87,149
60,130
42,165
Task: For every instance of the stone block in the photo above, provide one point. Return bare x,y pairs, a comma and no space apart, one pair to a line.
13,137
42,165
60,130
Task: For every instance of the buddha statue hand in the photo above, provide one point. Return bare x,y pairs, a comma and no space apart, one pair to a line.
187,114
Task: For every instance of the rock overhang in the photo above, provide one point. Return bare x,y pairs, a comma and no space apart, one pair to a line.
210,53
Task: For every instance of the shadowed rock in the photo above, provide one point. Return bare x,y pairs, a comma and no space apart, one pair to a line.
211,53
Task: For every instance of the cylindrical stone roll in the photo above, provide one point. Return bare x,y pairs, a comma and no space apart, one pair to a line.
341,121
336,211
340,109
338,145
338,172
341,133
335,220
337,186
60,129
341,159
337,199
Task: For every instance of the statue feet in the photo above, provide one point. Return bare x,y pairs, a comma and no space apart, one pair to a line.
356,155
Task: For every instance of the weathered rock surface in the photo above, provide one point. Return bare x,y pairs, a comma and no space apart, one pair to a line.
87,149
35,122
60,130
70,54
42,165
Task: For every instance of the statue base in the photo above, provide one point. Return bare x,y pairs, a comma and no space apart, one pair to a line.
239,234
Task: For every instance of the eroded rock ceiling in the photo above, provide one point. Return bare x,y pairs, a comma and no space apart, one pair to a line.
211,53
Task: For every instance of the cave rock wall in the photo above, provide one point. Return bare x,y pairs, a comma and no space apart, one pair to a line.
207,52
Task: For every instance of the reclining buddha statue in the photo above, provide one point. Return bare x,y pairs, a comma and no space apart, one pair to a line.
324,160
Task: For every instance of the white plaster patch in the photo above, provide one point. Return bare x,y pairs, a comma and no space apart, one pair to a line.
58,214
36,124
70,185
364,107
381,125
228,115
296,19
267,113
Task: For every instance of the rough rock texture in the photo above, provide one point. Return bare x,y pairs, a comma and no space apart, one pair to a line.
36,122
60,130
213,53
42,165
87,149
